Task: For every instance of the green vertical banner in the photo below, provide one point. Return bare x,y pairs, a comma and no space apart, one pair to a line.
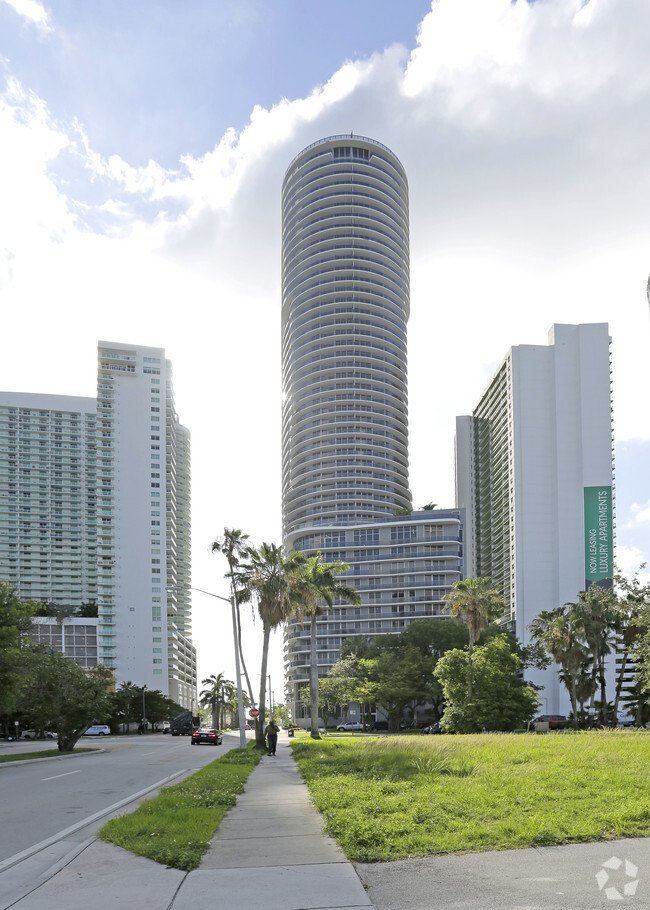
599,535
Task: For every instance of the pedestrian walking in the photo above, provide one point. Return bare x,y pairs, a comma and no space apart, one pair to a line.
272,737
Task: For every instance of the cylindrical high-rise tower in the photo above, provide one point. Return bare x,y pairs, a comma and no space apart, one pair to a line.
345,285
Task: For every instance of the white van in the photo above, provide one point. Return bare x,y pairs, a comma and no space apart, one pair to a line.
98,730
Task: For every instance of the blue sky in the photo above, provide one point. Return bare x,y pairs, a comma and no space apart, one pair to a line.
165,79
142,151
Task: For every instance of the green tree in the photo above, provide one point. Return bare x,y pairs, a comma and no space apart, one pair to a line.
597,616
88,609
434,637
159,707
431,637
560,632
269,577
15,627
126,704
476,602
348,685
333,694
217,696
235,547
316,584
396,678
282,716
641,650
633,618
500,700
63,697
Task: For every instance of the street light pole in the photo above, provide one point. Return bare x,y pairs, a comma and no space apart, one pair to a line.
240,698
144,713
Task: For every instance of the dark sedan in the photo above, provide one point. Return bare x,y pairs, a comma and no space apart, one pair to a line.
210,737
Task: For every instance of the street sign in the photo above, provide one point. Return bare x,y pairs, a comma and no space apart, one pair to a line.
253,712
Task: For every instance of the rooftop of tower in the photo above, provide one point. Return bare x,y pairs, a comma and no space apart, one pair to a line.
349,137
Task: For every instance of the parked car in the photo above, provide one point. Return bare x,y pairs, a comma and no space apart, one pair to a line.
210,737
624,719
432,728
555,721
98,730
379,725
350,726
166,727
32,734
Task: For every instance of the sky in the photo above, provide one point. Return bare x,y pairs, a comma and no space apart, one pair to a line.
142,150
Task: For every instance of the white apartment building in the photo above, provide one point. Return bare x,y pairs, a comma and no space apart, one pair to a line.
534,474
48,509
345,306
95,506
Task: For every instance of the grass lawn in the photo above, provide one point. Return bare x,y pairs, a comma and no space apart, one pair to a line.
44,753
387,799
175,827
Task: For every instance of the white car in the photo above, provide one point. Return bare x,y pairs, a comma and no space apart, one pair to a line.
32,734
351,725
98,730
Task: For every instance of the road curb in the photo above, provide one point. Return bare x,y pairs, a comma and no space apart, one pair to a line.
29,761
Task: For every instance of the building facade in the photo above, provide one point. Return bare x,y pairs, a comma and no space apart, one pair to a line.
402,568
95,506
48,508
74,637
345,489
534,474
345,305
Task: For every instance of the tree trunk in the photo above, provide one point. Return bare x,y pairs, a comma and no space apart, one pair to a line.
313,676
574,702
469,671
241,655
66,743
619,682
231,566
603,690
640,705
259,720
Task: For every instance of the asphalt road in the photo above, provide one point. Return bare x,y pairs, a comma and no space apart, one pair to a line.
44,799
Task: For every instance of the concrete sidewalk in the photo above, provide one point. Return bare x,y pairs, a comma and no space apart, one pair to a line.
270,851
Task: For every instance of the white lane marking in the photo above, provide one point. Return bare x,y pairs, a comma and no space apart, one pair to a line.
67,774
30,851
150,753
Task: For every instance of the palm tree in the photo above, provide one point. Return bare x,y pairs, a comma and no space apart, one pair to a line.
560,632
317,582
596,612
215,696
268,577
476,602
235,548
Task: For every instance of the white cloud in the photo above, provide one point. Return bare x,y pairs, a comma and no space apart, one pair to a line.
34,213
640,514
628,561
31,10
